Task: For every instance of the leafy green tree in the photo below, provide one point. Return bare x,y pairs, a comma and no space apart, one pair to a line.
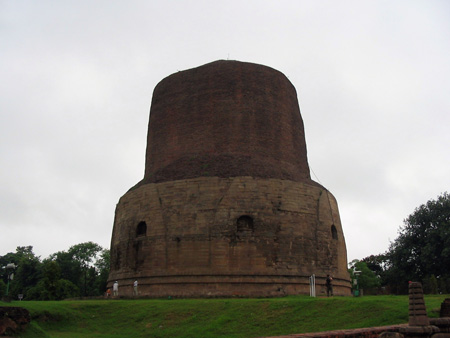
25,252
63,289
27,273
422,249
66,289
81,271
367,279
10,257
51,274
86,255
84,265
15,257
102,266
376,263
51,286
70,269
4,260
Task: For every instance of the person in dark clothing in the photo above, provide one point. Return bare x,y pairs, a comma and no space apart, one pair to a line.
329,284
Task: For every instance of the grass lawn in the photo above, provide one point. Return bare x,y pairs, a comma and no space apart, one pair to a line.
229,317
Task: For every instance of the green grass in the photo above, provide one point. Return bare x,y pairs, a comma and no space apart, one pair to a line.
235,317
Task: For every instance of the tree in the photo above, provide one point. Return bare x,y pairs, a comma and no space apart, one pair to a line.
86,255
70,269
81,271
422,249
51,274
102,266
15,257
5,260
51,286
367,279
376,263
27,273
83,265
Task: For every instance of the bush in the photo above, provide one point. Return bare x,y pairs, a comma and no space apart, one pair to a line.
61,289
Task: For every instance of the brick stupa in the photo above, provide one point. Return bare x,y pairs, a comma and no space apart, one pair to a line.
227,206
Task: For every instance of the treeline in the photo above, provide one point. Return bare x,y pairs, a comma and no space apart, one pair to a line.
421,253
81,271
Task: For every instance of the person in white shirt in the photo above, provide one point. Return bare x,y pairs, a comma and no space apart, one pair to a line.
116,288
135,287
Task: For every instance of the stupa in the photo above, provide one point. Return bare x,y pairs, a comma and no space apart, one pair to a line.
227,206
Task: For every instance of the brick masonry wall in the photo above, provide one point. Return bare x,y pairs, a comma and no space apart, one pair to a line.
225,119
195,246
369,332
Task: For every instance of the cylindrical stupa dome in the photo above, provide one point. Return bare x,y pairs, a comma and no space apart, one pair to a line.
233,118
227,205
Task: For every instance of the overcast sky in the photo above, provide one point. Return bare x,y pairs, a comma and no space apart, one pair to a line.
76,82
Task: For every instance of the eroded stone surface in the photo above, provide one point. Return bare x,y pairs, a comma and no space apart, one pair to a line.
193,237
445,308
13,319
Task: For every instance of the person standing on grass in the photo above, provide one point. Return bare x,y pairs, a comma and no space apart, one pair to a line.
329,284
116,288
135,287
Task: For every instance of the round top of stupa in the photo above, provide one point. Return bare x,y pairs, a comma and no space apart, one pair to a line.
225,119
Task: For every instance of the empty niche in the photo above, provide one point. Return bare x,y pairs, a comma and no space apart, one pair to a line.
244,224
334,233
141,229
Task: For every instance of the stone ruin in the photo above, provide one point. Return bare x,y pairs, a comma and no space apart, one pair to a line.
227,206
13,320
419,323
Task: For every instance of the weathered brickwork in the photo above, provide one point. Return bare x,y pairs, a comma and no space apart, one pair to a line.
225,119
227,206
193,237
369,332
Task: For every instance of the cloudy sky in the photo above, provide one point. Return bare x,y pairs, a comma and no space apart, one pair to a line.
372,77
